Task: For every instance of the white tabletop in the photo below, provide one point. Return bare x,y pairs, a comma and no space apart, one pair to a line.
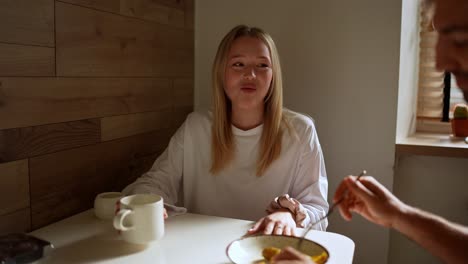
189,238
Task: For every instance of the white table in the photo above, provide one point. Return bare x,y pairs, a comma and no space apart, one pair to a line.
189,238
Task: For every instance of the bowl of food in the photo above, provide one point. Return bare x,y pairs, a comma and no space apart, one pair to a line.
261,248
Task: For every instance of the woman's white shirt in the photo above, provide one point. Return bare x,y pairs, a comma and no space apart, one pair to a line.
181,174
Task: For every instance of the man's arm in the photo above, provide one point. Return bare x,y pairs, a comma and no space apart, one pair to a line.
445,240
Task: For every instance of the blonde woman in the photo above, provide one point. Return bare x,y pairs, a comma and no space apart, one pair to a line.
249,158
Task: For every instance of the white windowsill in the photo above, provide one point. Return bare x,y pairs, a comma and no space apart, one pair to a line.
431,144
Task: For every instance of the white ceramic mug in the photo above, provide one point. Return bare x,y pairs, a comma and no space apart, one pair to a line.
105,204
140,218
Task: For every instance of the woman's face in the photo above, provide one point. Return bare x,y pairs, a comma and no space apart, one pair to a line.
248,73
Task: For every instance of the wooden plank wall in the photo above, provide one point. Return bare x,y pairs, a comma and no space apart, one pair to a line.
90,94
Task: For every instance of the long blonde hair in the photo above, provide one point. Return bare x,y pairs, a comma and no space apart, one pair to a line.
223,147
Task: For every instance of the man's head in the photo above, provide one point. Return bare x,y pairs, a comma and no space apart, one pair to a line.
451,22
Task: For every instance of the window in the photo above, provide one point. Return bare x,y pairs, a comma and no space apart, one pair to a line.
431,84
456,95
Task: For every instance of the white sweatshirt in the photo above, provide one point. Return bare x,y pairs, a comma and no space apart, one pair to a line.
181,175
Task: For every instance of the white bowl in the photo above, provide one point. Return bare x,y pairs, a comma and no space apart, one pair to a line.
249,249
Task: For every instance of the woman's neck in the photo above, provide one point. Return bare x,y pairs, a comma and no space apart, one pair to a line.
246,119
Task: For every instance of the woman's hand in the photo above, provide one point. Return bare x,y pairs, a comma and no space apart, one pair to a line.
165,213
291,256
280,222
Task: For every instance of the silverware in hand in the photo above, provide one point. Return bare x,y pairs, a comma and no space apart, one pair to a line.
328,214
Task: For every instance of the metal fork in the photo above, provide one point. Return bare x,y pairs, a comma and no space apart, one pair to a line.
328,214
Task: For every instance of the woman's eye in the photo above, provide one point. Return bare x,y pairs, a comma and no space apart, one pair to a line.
237,64
263,65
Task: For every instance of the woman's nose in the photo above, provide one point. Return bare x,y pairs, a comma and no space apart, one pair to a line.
249,73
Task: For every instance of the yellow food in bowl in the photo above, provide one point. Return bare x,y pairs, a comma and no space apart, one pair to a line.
269,252
320,259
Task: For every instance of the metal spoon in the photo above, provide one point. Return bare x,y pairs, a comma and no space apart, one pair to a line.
328,214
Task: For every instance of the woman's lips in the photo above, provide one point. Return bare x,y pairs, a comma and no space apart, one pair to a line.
248,89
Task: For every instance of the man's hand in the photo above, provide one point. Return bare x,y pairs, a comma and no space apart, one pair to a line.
368,198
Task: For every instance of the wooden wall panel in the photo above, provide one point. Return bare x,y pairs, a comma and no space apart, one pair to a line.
69,180
179,116
112,6
179,4
32,101
154,11
69,68
169,12
189,14
28,22
19,60
94,43
143,165
183,93
19,143
14,189
18,221
128,125
183,90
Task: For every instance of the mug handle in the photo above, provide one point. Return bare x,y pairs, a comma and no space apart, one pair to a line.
119,218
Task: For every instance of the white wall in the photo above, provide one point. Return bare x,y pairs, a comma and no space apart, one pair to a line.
435,184
340,62
409,61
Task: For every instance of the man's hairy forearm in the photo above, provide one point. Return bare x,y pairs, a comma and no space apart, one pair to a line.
445,240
